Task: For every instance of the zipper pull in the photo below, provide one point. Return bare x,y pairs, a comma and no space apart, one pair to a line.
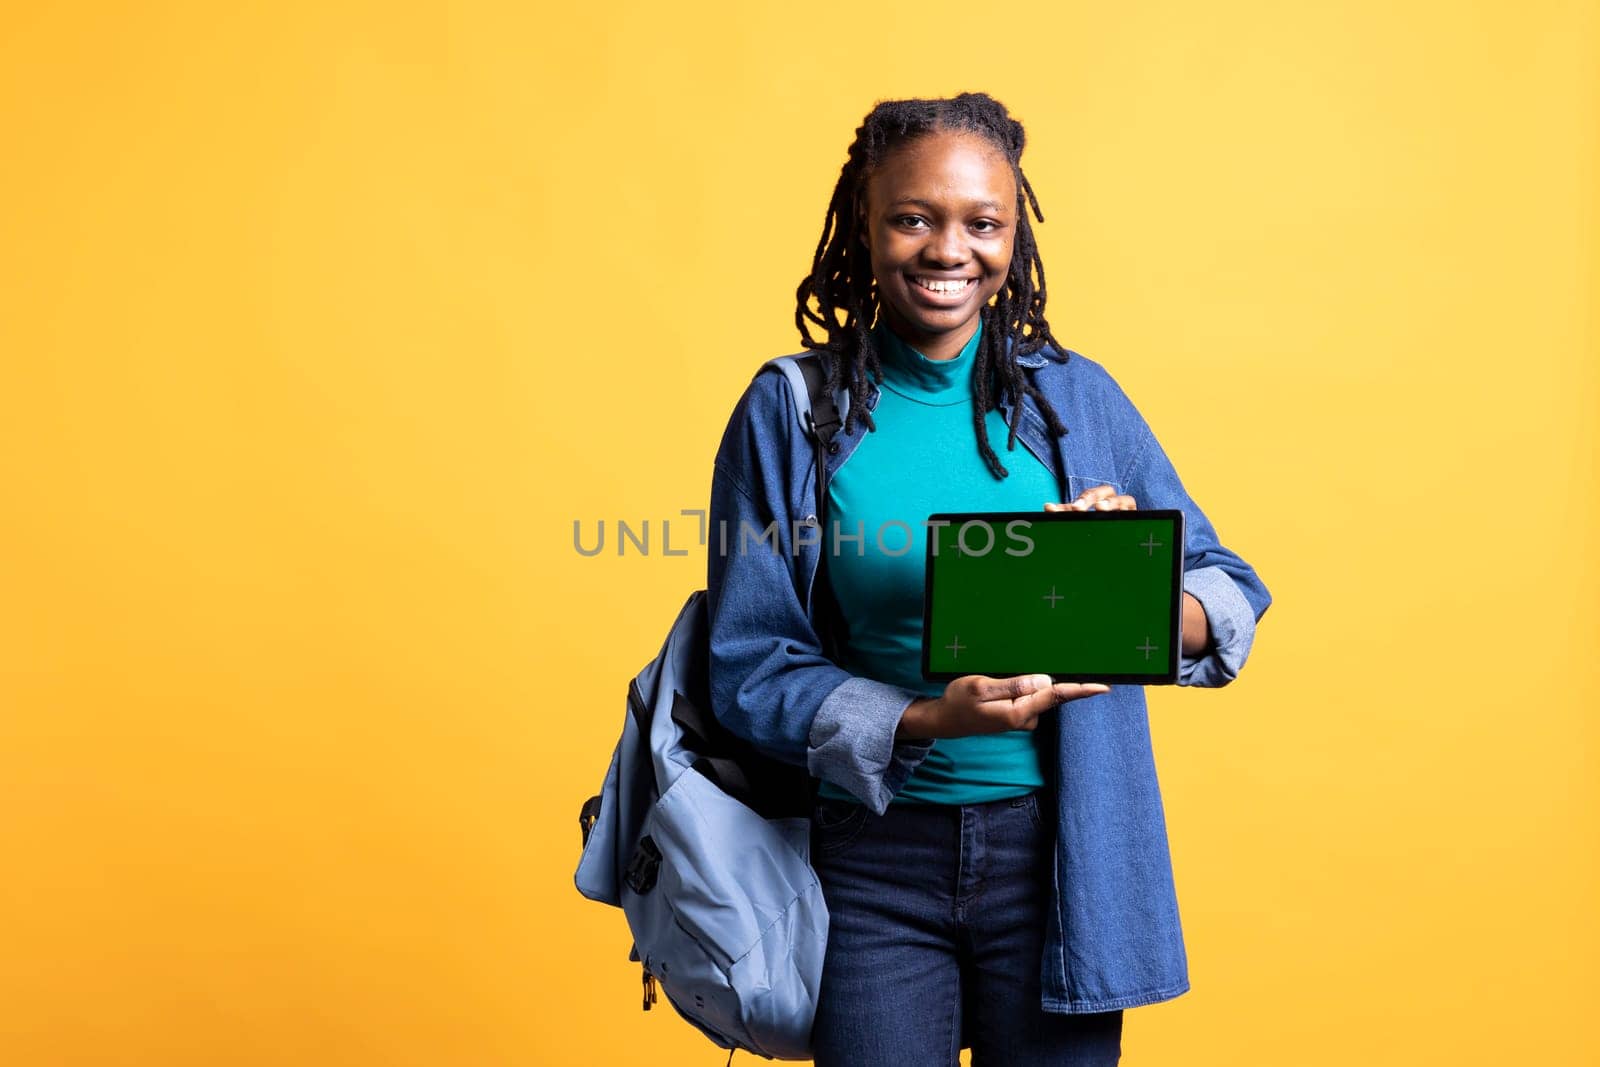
649,987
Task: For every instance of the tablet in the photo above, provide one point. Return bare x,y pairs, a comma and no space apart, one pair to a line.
1083,596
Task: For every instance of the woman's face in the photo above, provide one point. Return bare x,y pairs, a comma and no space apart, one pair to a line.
939,220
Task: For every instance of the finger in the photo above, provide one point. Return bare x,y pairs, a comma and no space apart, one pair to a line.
1055,507
1009,689
1065,691
1119,502
1032,706
1098,493
1024,712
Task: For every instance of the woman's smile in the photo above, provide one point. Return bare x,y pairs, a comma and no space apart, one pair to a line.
945,292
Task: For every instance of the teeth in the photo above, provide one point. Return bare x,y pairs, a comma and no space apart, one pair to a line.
944,286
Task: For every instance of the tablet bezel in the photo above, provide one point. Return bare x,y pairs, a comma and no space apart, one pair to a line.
998,519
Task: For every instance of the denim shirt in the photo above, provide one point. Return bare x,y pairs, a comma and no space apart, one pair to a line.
1114,939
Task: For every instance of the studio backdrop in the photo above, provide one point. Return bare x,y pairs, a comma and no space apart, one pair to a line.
329,332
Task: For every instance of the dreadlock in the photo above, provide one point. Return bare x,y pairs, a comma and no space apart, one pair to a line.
841,278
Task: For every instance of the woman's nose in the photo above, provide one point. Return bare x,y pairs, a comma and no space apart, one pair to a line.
948,246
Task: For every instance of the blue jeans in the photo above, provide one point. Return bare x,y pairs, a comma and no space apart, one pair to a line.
936,933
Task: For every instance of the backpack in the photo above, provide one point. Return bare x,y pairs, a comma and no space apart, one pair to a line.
704,842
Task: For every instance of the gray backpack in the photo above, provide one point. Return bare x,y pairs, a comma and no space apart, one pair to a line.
704,842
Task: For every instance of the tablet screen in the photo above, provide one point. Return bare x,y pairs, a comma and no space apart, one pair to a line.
1083,596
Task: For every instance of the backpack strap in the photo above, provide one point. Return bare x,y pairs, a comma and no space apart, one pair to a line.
817,408
822,420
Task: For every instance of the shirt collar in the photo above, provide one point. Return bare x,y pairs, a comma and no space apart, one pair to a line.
930,381
1030,360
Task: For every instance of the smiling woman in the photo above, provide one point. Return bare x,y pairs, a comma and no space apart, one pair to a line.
995,869
931,198
939,221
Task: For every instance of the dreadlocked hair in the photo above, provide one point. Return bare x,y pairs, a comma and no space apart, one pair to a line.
841,280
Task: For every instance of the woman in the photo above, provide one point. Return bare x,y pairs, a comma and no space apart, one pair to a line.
995,876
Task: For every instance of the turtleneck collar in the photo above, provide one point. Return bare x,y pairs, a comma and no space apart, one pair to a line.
927,381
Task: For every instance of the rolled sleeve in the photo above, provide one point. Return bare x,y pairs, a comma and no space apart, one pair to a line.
1233,629
852,742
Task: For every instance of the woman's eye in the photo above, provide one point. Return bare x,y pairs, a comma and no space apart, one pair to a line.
909,220
986,226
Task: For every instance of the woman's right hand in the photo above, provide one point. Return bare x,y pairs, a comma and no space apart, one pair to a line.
978,704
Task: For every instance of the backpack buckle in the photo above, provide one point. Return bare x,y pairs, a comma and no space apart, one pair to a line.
640,874
587,817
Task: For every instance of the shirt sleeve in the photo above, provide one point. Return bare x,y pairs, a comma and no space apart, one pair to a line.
771,681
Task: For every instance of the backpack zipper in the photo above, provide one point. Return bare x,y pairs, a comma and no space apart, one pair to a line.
649,987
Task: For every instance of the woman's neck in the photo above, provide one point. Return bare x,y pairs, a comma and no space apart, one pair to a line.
933,346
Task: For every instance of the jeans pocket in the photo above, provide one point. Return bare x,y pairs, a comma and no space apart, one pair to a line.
837,822
1033,809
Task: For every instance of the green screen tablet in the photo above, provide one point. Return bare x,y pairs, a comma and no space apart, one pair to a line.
1083,596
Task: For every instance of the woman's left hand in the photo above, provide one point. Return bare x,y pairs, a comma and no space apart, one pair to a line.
1100,498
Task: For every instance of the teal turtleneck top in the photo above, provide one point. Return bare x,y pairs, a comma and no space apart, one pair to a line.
923,458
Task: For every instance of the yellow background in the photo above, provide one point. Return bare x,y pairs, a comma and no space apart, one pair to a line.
321,325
